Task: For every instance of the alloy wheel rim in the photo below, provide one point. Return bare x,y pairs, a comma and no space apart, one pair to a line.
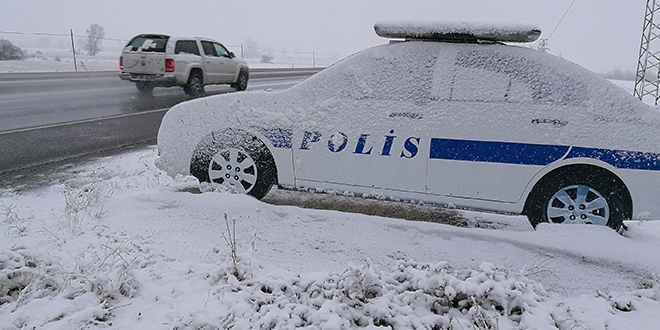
234,167
578,204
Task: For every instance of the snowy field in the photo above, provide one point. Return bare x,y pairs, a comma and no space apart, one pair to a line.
54,60
114,242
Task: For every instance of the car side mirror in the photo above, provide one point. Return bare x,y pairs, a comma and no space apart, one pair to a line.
231,55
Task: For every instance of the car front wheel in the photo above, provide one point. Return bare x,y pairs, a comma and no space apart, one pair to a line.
237,159
242,81
576,200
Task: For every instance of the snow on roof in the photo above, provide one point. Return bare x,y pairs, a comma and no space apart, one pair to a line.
458,30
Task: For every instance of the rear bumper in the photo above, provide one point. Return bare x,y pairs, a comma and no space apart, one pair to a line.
159,80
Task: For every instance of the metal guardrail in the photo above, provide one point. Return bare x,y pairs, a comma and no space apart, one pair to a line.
254,73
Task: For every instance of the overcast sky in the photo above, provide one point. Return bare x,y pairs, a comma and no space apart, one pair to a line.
598,34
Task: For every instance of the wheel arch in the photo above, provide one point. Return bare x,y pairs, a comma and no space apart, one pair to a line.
195,70
242,69
619,188
218,139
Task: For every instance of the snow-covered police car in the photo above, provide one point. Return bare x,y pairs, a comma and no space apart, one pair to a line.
445,114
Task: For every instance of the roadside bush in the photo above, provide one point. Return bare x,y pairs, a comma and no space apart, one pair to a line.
266,58
10,52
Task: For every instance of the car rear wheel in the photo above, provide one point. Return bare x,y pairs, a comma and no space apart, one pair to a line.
242,81
144,86
239,160
581,198
195,86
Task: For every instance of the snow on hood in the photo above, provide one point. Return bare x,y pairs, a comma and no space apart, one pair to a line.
487,30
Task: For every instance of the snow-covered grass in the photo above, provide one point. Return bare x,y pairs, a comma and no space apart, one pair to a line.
115,243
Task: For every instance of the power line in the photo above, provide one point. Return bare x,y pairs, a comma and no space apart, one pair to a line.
562,18
51,35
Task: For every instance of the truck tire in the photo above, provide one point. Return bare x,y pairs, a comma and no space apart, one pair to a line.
144,86
195,86
242,81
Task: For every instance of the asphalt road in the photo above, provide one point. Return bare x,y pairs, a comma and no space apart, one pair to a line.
46,117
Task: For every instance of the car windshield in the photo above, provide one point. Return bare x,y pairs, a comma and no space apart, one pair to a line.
148,44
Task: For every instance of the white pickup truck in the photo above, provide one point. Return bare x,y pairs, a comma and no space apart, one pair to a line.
156,60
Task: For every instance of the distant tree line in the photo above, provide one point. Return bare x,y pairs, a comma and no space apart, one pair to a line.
95,36
618,74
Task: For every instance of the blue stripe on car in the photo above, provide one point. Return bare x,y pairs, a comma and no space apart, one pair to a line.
537,154
633,160
280,138
496,152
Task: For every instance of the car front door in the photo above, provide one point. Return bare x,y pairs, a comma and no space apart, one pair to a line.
385,151
371,134
228,66
212,63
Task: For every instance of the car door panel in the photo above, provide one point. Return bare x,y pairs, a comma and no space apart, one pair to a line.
228,67
212,63
386,153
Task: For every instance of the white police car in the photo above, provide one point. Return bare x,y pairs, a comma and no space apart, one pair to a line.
447,115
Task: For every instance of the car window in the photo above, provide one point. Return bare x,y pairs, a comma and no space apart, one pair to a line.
220,50
393,73
186,47
148,44
491,75
209,49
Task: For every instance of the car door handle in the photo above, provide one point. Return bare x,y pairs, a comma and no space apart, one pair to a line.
556,122
411,115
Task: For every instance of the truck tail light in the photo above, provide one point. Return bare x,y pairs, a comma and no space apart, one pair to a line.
121,63
169,65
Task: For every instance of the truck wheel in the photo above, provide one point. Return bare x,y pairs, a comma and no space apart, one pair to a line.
195,86
242,81
144,86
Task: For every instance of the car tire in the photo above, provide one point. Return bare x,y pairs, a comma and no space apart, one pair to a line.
237,158
242,81
144,86
578,198
195,86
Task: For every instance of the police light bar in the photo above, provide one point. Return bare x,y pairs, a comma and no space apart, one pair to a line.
458,31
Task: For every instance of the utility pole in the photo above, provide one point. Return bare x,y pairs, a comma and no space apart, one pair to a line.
73,48
647,81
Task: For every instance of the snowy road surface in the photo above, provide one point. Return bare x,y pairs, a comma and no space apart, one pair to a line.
36,99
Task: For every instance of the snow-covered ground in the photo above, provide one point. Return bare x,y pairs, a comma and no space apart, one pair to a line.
114,242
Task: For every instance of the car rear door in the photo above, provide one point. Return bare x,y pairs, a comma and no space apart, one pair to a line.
500,119
187,55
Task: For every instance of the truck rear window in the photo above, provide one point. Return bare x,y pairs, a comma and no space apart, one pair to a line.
148,44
